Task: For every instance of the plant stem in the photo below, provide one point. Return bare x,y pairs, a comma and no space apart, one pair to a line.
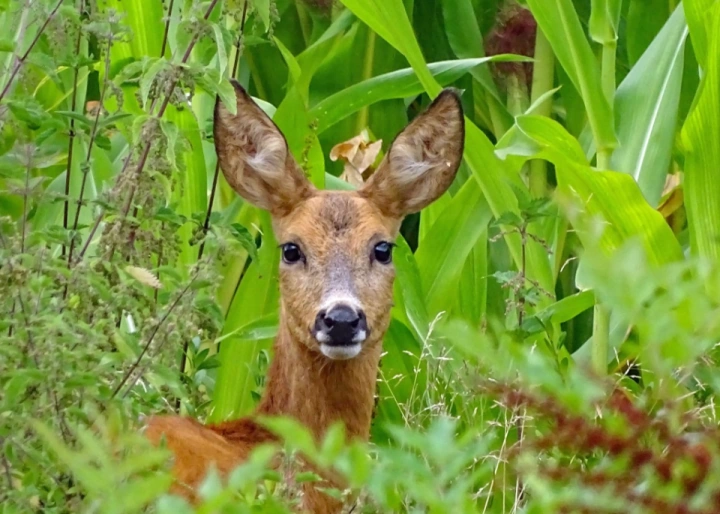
517,100
601,318
93,136
609,49
71,139
21,61
543,79
154,332
216,175
167,28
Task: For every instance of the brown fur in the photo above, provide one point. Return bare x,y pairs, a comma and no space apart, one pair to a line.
337,232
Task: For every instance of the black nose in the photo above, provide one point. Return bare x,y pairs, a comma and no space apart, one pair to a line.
341,325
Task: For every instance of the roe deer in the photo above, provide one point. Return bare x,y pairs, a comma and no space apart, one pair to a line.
336,281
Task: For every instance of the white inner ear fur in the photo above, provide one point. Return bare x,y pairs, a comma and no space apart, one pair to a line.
411,158
264,148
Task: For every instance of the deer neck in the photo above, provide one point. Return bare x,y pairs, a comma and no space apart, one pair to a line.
317,391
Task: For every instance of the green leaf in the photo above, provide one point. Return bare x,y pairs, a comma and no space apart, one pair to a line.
561,25
560,311
446,247
221,51
397,84
171,135
698,12
700,137
148,78
646,106
226,92
256,298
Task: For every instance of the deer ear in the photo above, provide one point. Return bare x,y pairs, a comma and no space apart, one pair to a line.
422,161
255,158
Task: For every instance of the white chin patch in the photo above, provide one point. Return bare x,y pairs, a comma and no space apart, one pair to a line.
340,353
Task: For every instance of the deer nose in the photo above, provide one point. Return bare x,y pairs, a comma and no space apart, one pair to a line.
341,325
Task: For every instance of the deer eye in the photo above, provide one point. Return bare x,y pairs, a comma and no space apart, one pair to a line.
383,252
291,253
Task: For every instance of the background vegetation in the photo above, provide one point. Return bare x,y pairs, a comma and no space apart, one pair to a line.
553,341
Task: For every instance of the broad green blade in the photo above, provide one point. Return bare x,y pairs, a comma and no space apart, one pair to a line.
446,247
646,106
644,20
256,299
145,20
701,144
397,84
561,25
390,20
698,12
190,191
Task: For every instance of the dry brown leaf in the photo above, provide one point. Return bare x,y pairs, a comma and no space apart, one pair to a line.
358,154
672,197
144,276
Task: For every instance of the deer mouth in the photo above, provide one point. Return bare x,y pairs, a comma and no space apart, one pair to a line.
340,352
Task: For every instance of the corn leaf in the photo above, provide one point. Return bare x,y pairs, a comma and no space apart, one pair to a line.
701,142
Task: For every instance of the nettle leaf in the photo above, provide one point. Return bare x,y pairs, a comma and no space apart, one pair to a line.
148,77
137,127
170,216
29,111
508,218
131,71
110,120
245,238
505,277
84,120
222,56
226,92
171,132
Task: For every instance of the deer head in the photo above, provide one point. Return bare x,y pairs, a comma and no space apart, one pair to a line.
336,275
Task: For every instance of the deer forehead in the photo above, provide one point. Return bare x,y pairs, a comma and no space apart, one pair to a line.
335,220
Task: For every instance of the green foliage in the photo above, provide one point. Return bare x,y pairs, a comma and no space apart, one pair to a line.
134,281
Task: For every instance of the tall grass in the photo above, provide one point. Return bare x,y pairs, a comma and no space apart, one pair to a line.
134,280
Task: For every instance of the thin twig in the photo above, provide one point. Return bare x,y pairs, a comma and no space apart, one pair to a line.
93,136
167,28
66,212
154,332
21,61
236,65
